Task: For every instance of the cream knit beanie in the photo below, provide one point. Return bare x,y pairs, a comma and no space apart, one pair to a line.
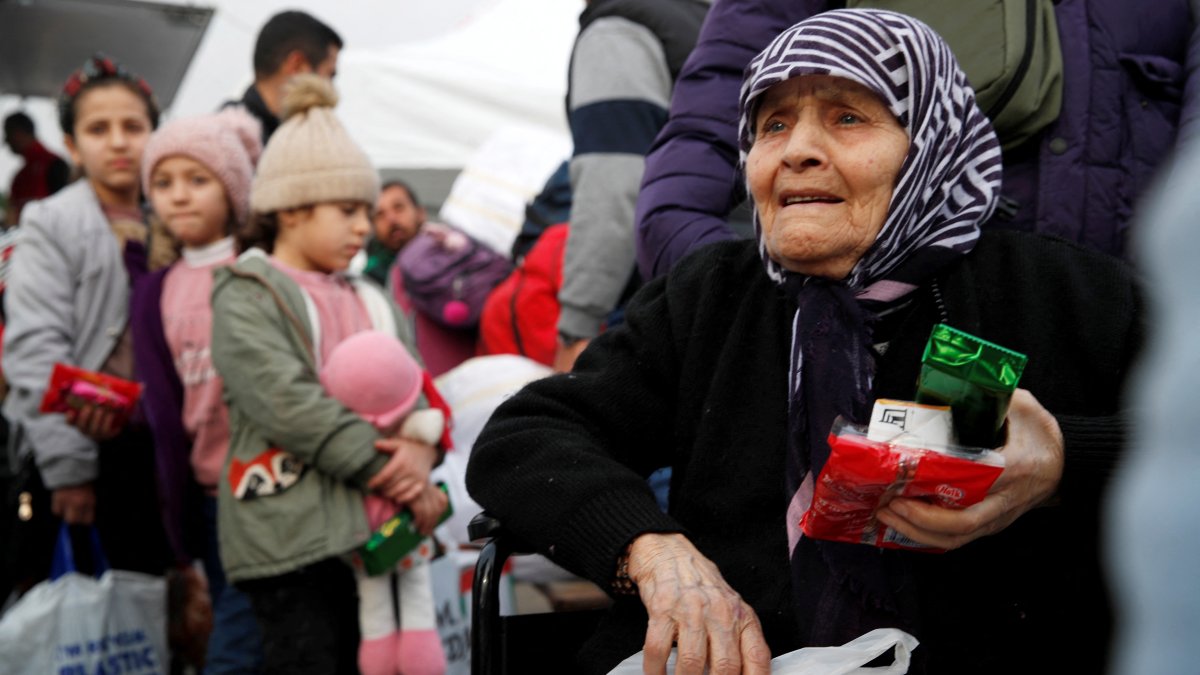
310,158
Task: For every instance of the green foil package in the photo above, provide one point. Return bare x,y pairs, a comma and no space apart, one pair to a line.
976,378
394,539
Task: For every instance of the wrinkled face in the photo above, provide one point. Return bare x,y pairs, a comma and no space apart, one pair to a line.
397,218
324,237
826,156
112,126
190,200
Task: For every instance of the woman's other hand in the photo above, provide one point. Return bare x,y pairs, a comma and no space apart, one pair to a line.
1033,466
691,605
406,473
98,422
75,504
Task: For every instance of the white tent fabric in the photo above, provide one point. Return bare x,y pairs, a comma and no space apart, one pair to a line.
433,104
488,197
422,84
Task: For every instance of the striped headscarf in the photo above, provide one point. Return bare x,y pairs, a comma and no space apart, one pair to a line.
947,186
950,180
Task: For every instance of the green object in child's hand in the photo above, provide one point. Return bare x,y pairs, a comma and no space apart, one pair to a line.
394,539
976,378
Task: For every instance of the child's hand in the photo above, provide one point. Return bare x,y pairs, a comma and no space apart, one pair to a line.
427,508
407,472
98,422
75,504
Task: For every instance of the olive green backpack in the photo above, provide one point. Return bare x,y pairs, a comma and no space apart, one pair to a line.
1009,50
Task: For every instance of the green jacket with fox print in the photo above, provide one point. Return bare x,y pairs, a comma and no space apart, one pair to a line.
264,330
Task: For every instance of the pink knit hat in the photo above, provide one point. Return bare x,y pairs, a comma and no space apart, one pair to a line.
372,374
228,143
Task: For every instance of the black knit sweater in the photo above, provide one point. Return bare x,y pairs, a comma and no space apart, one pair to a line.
696,379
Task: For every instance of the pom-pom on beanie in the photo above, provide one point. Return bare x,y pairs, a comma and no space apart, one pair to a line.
311,159
227,143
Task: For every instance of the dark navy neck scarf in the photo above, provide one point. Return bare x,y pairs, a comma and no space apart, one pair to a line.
947,186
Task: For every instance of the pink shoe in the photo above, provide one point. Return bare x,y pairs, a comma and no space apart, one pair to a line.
420,653
378,656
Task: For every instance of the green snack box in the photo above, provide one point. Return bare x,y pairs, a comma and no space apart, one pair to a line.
976,378
395,539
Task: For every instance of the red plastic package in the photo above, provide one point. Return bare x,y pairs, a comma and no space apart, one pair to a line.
861,476
71,387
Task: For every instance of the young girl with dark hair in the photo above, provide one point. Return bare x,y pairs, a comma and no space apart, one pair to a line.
67,302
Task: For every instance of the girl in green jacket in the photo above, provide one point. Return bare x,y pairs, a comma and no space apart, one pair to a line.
290,498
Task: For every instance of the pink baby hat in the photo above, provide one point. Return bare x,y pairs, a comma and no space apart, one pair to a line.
374,375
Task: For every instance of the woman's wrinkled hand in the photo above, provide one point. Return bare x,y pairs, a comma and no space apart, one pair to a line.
406,473
75,504
690,605
97,422
1033,466
427,508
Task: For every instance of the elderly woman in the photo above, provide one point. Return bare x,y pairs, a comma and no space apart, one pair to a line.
871,169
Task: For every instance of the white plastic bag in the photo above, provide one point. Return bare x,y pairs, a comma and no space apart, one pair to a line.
76,624
845,660
849,658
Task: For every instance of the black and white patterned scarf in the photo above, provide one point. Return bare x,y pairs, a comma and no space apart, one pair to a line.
947,186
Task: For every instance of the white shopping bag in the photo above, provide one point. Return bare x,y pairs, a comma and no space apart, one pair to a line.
77,625
845,660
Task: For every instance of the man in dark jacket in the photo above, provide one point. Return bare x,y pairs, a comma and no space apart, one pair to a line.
289,43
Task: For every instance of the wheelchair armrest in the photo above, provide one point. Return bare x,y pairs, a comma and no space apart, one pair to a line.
486,526
490,651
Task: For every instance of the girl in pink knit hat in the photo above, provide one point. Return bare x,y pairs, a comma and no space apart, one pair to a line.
374,375
196,172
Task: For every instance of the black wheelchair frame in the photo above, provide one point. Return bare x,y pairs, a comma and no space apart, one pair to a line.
527,643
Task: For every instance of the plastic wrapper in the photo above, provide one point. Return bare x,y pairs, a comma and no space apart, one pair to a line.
976,378
394,539
862,475
71,388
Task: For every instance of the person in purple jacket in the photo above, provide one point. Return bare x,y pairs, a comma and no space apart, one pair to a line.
1127,92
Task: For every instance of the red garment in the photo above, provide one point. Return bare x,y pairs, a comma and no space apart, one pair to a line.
521,314
33,181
